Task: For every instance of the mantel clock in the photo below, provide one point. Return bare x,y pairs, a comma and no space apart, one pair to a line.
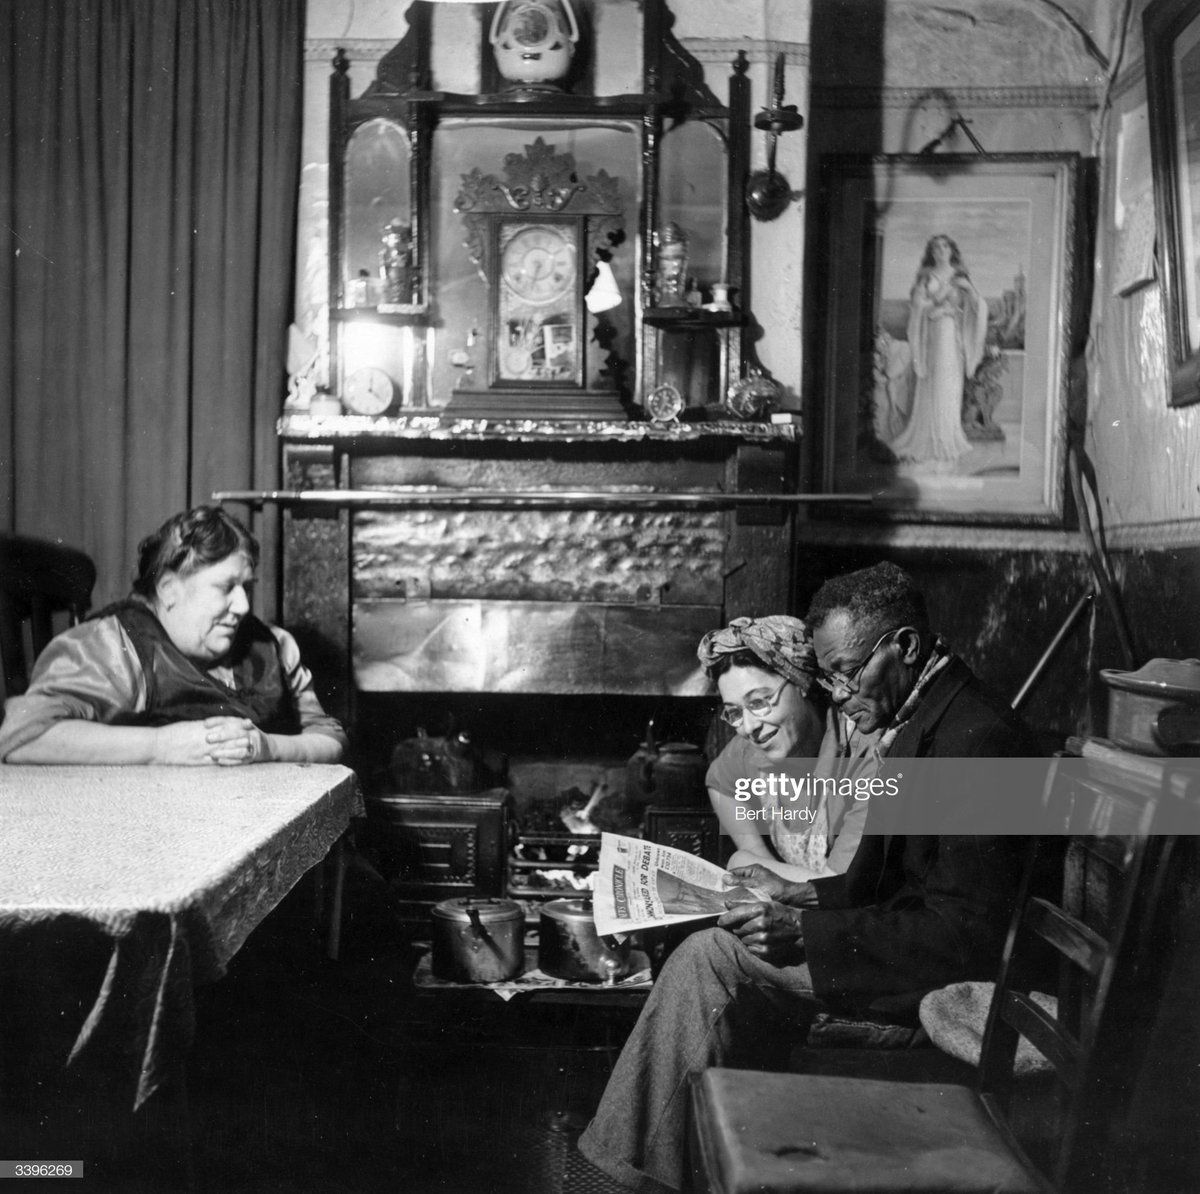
535,232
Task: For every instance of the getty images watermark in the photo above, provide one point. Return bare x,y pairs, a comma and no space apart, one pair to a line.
1131,795
813,789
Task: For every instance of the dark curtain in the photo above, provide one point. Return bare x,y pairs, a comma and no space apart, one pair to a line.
149,171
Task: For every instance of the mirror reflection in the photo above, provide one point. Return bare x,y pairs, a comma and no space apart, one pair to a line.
692,190
465,313
378,202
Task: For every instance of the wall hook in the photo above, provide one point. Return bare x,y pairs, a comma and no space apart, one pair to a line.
959,122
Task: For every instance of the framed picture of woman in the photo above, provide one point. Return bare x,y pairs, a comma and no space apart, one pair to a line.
949,300
1172,35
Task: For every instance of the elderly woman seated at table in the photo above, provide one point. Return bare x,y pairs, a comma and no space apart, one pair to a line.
765,671
179,673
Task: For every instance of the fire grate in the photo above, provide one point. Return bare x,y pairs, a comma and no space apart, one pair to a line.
552,864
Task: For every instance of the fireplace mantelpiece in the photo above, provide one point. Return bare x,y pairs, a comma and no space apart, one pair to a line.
588,598
300,425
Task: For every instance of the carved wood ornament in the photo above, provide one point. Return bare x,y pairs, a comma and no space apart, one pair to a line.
541,181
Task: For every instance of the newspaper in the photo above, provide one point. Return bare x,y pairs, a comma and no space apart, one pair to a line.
641,884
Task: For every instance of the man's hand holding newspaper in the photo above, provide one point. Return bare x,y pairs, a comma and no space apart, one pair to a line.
641,884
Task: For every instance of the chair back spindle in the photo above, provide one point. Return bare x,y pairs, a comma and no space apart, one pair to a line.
41,583
1105,932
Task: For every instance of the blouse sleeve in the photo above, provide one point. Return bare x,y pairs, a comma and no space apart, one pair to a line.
299,681
88,673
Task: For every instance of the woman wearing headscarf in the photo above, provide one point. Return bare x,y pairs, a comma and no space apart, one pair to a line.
765,670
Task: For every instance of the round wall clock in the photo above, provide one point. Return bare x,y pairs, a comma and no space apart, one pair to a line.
538,264
369,391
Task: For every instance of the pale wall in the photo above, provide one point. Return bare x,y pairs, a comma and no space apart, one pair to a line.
1147,453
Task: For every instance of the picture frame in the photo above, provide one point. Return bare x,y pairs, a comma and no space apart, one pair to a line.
1172,40
944,382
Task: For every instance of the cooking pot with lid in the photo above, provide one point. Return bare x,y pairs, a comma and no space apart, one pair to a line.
478,940
569,946
1155,710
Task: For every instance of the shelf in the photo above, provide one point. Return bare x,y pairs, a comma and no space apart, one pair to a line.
300,425
553,103
691,317
398,314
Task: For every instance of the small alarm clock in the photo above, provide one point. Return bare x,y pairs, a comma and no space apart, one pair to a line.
664,404
369,391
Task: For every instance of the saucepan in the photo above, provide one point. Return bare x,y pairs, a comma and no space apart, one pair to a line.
569,946
478,940
1155,710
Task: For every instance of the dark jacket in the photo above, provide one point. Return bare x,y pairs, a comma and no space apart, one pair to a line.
915,913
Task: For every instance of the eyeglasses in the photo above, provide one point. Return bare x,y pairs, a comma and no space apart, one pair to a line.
760,706
831,681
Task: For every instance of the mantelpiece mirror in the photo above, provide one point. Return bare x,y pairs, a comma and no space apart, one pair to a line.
552,304
378,198
693,188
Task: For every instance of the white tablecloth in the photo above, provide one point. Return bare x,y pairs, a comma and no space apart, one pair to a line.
173,866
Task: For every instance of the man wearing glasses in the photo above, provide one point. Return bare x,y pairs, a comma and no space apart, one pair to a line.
912,913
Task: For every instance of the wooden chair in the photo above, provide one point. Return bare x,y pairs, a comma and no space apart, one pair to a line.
772,1133
40,583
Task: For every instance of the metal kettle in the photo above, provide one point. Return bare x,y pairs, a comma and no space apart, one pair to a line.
671,774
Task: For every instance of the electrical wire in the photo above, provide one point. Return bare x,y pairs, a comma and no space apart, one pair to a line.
1084,36
1111,80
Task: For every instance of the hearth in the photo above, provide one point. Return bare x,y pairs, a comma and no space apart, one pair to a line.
534,836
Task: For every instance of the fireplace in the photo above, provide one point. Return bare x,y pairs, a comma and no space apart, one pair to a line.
541,584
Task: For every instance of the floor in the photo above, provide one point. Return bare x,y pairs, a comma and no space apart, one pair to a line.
307,1075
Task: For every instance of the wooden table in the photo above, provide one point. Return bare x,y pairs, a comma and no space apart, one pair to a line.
168,869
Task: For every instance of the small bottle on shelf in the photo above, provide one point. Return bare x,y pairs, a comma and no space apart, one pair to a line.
720,298
360,290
